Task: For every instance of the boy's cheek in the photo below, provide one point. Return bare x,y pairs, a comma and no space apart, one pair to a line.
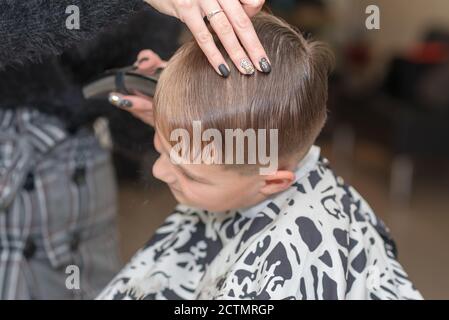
221,199
201,197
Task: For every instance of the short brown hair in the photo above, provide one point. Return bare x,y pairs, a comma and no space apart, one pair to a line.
292,98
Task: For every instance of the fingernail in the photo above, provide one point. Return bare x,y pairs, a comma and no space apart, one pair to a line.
138,62
265,65
247,66
142,60
114,99
118,101
224,71
125,104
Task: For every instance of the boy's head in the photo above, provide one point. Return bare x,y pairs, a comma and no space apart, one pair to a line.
290,101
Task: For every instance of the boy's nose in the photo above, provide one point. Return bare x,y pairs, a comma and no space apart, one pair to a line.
162,171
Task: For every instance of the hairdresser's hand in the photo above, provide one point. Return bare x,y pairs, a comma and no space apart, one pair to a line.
140,105
148,62
233,27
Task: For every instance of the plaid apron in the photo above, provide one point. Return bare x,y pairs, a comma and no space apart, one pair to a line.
57,208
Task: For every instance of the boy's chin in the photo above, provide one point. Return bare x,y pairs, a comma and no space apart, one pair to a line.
201,206
212,208
182,200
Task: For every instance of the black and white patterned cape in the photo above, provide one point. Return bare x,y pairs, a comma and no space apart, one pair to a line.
317,240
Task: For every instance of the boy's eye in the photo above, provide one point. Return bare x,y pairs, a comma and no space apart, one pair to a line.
186,175
189,177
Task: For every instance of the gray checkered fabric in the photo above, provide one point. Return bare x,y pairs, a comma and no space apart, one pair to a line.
57,208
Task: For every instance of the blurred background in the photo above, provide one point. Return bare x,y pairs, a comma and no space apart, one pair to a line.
387,134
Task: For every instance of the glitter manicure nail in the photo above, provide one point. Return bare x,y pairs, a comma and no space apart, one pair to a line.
247,66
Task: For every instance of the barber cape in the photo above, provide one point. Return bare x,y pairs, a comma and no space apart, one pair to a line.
317,240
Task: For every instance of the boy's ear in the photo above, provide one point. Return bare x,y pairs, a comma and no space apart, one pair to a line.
277,182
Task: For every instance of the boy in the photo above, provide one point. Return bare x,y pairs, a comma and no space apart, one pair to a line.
297,232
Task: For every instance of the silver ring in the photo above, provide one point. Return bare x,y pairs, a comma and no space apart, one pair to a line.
214,13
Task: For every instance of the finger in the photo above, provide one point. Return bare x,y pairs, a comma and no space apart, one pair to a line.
194,21
145,116
139,107
247,35
146,55
117,100
140,104
134,103
225,32
144,96
148,62
252,7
